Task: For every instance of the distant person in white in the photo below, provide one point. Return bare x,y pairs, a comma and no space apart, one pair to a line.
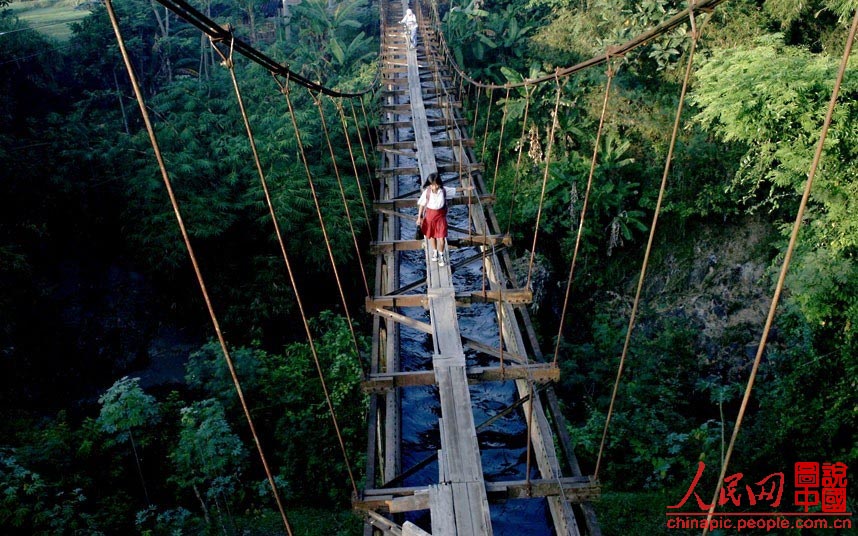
410,22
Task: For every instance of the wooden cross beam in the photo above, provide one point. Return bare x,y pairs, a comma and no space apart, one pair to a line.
377,248
538,372
576,490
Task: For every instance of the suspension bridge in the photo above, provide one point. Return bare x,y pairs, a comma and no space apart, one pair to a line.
422,131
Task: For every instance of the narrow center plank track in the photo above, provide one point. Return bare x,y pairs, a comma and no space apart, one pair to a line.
459,501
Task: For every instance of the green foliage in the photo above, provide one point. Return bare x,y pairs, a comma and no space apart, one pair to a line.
653,437
311,462
486,40
772,98
125,408
208,453
330,44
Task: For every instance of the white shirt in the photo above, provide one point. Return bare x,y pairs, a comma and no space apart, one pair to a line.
410,20
435,200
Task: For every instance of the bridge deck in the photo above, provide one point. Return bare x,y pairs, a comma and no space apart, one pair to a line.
459,503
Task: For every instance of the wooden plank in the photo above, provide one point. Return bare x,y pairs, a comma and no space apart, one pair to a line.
404,108
462,298
441,503
406,300
446,168
383,524
409,503
575,489
513,296
409,144
410,529
492,351
413,245
411,202
430,122
536,372
402,319
462,510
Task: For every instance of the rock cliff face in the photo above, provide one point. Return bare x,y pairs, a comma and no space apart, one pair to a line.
717,280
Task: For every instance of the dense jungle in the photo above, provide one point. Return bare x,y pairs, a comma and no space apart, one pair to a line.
118,413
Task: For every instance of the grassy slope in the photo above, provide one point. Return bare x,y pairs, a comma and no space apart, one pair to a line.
50,17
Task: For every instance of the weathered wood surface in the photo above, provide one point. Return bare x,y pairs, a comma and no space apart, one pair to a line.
459,502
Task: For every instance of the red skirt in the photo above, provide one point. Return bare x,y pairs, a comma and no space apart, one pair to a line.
435,223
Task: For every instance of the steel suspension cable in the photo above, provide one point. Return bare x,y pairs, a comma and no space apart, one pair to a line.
477,111
363,150
581,219
490,94
500,139
285,90
528,91
694,38
186,238
229,63
369,135
793,239
319,104
544,180
339,106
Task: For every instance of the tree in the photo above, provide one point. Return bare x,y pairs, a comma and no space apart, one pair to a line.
124,409
772,97
208,456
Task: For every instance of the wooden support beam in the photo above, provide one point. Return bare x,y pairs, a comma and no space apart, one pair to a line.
411,202
402,319
409,144
406,107
514,296
444,168
538,372
432,122
410,245
576,490
492,351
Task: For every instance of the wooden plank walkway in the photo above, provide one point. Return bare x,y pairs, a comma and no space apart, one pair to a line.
416,102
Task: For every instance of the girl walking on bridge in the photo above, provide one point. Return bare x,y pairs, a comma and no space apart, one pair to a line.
410,22
432,215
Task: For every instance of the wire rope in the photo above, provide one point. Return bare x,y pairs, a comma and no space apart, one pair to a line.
584,206
528,91
694,38
339,106
186,238
319,105
363,150
500,139
793,239
544,180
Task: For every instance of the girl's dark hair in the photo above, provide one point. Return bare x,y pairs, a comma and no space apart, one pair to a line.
433,178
